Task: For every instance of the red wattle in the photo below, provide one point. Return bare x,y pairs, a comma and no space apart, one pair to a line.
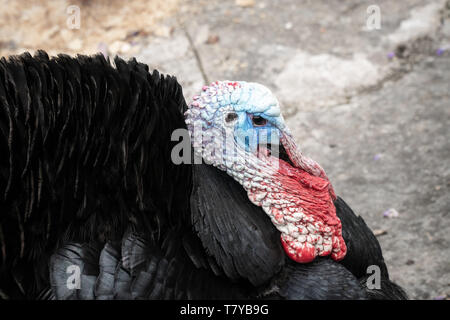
308,221
304,255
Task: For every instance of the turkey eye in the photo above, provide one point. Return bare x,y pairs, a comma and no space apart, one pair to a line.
259,121
231,117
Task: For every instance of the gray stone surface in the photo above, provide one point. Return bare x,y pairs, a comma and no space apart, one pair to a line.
391,149
379,126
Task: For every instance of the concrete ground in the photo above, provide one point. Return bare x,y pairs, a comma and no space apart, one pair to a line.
371,106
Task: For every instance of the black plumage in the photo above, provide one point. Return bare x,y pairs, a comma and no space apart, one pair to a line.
86,179
364,251
254,253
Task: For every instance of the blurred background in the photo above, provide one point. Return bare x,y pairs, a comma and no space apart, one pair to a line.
364,86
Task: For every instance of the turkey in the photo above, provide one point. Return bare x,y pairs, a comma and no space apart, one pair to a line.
112,187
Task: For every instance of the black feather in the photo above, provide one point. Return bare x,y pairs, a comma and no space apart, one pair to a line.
363,250
237,233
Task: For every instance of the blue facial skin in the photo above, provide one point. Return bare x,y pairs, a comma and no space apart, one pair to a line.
249,136
247,101
255,100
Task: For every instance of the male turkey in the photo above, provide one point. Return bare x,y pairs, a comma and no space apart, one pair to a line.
93,204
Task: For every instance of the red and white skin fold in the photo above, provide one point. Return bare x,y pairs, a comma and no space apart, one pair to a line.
298,199
302,208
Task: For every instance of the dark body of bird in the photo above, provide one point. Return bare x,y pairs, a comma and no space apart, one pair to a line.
86,179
